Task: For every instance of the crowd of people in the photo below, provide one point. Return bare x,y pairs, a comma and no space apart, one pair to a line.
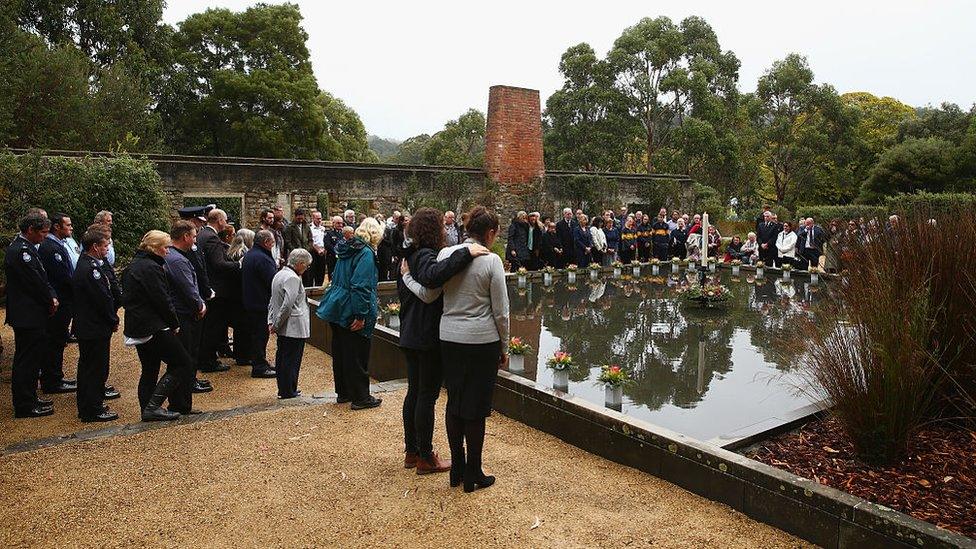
536,241
184,289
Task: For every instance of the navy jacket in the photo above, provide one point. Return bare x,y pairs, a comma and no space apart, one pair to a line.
95,299
183,288
145,296
420,322
583,239
200,268
256,275
57,264
29,296
565,231
220,270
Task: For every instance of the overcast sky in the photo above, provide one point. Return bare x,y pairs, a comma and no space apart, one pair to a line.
409,66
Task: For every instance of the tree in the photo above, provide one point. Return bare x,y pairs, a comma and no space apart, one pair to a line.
670,73
914,165
947,122
460,143
385,149
587,124
411,151
801,126
242,84
345,133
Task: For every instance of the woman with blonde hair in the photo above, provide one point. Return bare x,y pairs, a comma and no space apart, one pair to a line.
151,325
350,307
243,241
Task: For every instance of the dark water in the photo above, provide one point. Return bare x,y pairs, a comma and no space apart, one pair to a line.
701,373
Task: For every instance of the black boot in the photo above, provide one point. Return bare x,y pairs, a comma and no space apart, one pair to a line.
154,410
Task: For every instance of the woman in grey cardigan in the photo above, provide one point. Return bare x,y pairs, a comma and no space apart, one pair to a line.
288,317
474,345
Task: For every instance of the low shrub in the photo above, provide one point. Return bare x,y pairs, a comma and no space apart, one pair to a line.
80,187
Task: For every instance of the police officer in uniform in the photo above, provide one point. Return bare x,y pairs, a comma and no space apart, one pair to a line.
96,302
57,264
30,302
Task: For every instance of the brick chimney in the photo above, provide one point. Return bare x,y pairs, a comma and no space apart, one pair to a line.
513,144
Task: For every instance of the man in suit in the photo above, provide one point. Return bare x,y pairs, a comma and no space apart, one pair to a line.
30,302
57,265
297,236
766,234
258,270
221,271
332,238
810,242
97,297
564,229
761,218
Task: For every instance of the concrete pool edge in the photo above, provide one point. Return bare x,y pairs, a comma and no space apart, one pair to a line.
802,507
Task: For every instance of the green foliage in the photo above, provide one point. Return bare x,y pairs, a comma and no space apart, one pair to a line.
385,149
80,187
804,130
825,213
588,124
914,165
947,122
56,97
932,205
460,143
453,191
411,151
587,191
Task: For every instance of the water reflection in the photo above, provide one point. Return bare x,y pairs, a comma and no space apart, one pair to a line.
703,373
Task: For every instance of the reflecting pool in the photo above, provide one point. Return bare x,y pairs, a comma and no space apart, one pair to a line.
701,373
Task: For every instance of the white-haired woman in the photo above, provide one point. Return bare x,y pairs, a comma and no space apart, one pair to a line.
350,307
288,318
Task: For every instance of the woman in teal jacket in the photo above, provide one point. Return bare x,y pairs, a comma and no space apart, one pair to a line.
349,306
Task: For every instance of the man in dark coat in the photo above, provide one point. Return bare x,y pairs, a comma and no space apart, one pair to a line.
298,234
332,238
222,272
518,242
766,235
809,242
661,238
57,265
30,302
564,229
258,270
97,297
184,293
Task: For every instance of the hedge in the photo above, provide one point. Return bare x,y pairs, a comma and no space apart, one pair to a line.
824,214
925,204
80,187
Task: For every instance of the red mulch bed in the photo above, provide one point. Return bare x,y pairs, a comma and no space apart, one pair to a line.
936,482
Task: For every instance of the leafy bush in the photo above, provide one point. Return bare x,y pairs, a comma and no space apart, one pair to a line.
930,205
80,187
824,214
900,350
587,191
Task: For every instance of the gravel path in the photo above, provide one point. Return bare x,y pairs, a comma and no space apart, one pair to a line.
327,476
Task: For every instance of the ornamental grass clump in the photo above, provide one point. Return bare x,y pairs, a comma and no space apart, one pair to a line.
898,351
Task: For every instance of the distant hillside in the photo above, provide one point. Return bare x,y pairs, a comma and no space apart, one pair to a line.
386,149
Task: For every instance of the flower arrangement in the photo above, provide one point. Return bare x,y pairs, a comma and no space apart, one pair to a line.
516,346
787,267
736,262
684,262
613,375
594,266
560,360
635,263
655,261
675,259
712,259
522,271
760,264
710,295
572,268
617,265
392,309
816,270
549,270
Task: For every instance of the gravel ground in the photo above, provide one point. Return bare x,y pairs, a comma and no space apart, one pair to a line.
328,476
232,389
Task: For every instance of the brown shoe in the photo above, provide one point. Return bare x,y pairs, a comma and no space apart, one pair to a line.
410,460
433,465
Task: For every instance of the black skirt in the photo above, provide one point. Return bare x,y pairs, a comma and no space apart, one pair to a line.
469,373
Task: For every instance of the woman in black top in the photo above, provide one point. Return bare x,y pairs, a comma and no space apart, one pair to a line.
679,240
151,325
420,311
